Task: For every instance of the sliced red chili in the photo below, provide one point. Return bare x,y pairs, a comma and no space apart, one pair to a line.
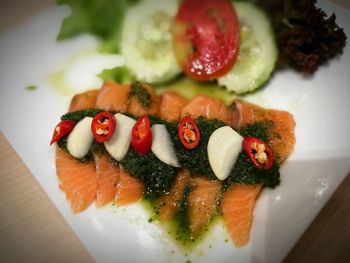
103,126
188,133
259,152
141,137
62,129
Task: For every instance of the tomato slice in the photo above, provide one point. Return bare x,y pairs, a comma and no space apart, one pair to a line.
62,129
188,133
103,126
259,152
206,38
141,135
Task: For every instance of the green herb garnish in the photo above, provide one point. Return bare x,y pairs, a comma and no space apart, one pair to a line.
138,90
156,175
79,115
102,18
31,87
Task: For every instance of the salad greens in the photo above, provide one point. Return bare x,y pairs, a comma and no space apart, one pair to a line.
306,38
102,18
119,74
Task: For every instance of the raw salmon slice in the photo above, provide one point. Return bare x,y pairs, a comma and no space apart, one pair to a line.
282,138
168,204
171,105
202,203
129,189
237,207
137,109
85,100
107,178
77,180
208,107
113,97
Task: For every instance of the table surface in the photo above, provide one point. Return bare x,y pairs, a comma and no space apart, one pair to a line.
32,229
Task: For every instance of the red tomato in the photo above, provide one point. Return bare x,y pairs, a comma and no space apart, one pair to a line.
103,126
62,129
141,135
259,152
206,38
188,133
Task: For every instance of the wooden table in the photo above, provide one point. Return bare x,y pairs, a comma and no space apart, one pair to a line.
32,229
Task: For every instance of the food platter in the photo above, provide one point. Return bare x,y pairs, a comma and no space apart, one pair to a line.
319,163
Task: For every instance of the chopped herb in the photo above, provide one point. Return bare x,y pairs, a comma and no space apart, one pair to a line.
31,87
196,160
156,175
138,90
79,115
244,171
259,130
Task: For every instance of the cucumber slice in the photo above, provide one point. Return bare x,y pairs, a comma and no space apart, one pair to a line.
146,42
257,54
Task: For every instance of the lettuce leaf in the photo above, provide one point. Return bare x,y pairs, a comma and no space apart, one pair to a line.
306,36
118,74
101,18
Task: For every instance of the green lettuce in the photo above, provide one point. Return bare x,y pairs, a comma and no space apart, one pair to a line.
102,18
118,74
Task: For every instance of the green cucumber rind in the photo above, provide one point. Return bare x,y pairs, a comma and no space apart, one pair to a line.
154,71
244,78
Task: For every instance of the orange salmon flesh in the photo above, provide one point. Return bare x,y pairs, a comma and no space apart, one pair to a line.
101,181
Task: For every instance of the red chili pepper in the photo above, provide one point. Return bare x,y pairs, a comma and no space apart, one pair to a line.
141,135
62,129
188,133
103,126
259,152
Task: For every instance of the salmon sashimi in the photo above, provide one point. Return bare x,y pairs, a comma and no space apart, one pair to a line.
107,178
169,204
282,138
171,105
237,207
85,100
202,203
77,180
209,108
129,189
137,108
113,97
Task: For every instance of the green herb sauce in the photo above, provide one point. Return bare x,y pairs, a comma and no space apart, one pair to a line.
190,88
156,175
138,90
96,147
79,115
196,160
31,88
178,228
244,171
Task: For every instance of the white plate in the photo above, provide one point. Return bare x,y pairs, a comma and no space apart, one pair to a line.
29,54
